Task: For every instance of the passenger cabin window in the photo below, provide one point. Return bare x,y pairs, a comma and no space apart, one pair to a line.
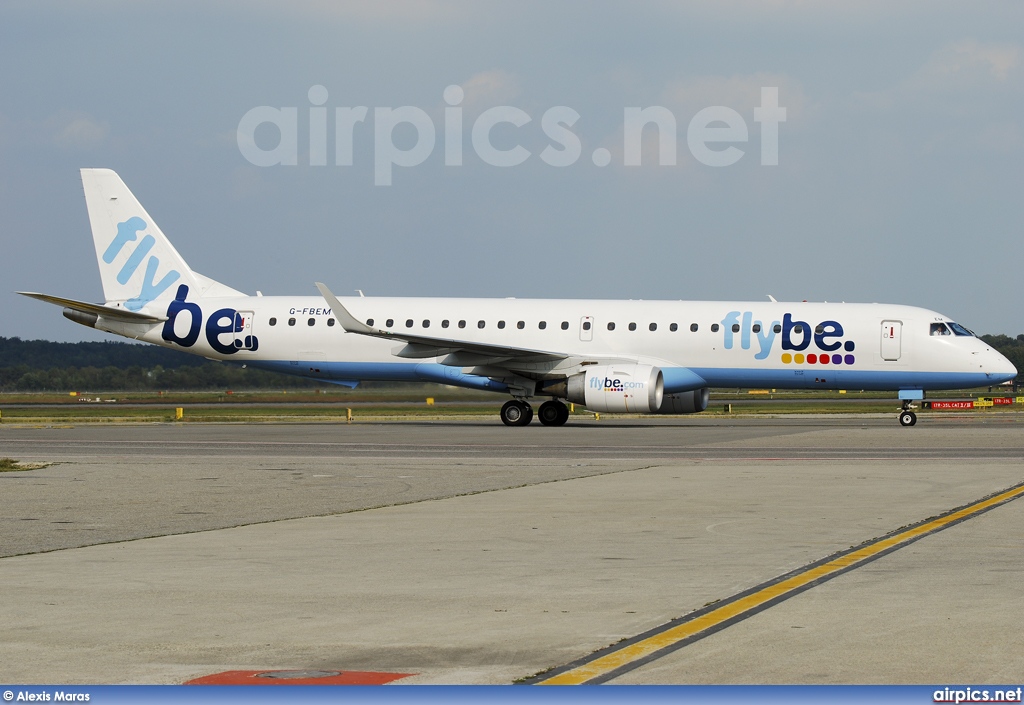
462,324
542,325
311,322
777,328
272,321
586,325
653,327
694,327
735,327
444,323
501,324
632,326
291,321
480,324
369,322
426,323
756,328
331,322
521,325
799,330
390,322
673,327
818,330
565,325
939,329
611,326
408,323
960,330
714,327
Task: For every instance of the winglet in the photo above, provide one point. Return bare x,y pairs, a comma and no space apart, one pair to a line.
346,319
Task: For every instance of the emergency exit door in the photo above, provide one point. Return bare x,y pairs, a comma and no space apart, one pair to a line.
244,339
587,328
891,335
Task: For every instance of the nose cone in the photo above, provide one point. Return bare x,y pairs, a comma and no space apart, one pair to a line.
998,368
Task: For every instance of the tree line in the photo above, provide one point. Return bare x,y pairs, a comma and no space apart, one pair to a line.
44,366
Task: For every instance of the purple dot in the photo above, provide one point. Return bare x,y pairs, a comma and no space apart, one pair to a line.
837,359
849,359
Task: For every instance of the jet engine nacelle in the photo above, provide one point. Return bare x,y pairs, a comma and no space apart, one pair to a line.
685,402
637,389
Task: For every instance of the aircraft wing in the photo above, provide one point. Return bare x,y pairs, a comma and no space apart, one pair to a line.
108,312
463,352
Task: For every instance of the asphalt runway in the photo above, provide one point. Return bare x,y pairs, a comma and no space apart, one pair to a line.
467,552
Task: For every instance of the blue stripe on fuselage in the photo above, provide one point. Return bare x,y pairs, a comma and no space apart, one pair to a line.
836,377
349,372
677,379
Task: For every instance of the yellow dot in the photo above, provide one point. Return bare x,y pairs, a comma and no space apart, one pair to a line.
798,358
786,358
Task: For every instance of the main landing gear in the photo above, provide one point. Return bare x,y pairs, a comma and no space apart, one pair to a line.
553,413
519,413
907,417
516,413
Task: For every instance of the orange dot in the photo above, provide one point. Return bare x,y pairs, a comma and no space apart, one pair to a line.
786,358
798,358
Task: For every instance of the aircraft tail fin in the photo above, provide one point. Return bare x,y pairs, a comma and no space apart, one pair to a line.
138,264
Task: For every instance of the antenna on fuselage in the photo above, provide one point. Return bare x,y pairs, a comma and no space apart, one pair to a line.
771,298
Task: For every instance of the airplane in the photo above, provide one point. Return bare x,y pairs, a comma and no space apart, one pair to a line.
645,357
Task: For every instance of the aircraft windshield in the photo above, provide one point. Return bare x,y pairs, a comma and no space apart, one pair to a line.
959,329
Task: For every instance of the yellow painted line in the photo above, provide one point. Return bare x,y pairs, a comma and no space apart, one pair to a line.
603,664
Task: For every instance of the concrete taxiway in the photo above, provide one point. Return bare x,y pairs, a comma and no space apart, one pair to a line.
472,553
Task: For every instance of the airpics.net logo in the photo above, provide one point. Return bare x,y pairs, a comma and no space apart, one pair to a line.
712,134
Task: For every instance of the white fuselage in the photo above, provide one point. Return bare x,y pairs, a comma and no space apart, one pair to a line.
725,344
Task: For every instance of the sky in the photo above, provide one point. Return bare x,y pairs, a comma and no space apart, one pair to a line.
899,176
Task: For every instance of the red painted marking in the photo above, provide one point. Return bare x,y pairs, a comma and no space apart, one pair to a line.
1000,401
952,404
253,678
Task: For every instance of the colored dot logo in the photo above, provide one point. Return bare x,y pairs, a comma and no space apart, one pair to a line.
819,359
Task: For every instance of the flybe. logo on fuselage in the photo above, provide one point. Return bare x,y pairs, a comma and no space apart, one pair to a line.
128,231
796,337
221,322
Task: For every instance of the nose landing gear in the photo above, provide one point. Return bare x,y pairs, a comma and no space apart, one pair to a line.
907,417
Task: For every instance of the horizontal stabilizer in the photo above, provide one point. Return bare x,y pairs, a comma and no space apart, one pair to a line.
108,312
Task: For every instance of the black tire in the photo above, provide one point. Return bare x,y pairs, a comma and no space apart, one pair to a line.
516,413
553,413
908,418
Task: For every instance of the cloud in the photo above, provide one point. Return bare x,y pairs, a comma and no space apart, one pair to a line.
742,93
964,98
490,88
685,97
76,130
415,12
967,63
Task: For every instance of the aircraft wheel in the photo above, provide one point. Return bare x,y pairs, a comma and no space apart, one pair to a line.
908,418
553,413
516,413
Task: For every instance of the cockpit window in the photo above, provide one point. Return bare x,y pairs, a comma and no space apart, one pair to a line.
959,329
939,329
